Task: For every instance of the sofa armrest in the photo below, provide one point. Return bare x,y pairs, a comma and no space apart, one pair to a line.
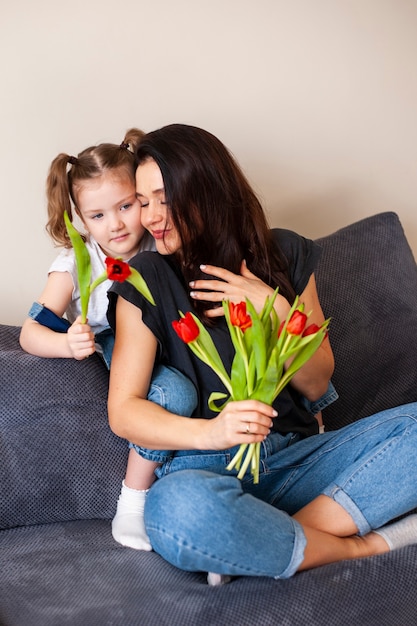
59,459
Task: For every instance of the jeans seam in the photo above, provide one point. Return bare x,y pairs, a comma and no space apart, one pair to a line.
322,452
277,494
156,388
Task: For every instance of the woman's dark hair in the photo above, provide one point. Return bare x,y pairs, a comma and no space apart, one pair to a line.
218,217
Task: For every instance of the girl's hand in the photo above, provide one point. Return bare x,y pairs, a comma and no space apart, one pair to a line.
80,340
233,287
245,421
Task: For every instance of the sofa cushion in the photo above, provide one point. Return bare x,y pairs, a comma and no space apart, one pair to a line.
74,574
367,283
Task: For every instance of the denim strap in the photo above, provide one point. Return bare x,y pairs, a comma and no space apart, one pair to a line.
46,317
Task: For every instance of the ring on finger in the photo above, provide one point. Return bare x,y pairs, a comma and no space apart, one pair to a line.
248,429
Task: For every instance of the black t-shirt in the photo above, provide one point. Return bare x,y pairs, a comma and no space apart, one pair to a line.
170,293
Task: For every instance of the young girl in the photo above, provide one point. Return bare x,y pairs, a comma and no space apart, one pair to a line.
320,497
99,185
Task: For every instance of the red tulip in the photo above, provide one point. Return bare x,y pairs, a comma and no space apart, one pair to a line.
239,316
311,330
186,328
117,270
297,323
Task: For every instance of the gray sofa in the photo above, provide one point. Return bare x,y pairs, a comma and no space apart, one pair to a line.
61,469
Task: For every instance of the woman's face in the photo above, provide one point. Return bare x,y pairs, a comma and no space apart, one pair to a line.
155,212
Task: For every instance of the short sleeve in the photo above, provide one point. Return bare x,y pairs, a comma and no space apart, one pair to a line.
302,256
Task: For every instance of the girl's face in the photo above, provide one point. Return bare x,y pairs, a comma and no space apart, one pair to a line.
110,212
155,212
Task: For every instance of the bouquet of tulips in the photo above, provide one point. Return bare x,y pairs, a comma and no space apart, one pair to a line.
262,364
116,269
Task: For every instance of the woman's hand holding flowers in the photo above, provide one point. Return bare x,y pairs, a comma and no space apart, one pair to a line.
244,421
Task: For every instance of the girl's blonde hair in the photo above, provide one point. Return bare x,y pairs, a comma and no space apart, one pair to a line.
63,183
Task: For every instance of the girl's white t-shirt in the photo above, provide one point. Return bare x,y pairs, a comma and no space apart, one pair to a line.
97,306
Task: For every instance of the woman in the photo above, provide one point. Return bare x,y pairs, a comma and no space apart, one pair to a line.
319,498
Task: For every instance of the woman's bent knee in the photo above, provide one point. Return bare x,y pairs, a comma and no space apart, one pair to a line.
203,521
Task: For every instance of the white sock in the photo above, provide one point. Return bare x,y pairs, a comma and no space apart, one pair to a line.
401,533
128,526
217,579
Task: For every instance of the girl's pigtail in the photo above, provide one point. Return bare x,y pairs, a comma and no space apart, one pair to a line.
132,139
59,199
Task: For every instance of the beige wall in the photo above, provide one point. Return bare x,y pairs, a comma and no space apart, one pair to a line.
316,98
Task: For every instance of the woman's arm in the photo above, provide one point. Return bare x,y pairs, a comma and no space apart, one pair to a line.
77,343
313,378
133,417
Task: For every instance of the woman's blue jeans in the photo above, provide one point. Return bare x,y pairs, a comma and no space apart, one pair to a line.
200,517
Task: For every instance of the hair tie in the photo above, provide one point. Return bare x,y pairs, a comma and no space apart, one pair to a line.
73,160
124,145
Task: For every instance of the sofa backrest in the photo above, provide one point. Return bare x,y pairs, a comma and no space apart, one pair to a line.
367,283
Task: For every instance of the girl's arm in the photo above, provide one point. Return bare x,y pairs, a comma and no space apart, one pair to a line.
133,417
77,343
313,378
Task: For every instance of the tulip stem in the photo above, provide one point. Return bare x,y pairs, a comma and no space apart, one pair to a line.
237,459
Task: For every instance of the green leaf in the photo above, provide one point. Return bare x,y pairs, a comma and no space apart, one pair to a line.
82,259
252,374
293,343
255,338
238,378
268,307
306,351
273,332
205,349
214,396
304,354
136,279
265,389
